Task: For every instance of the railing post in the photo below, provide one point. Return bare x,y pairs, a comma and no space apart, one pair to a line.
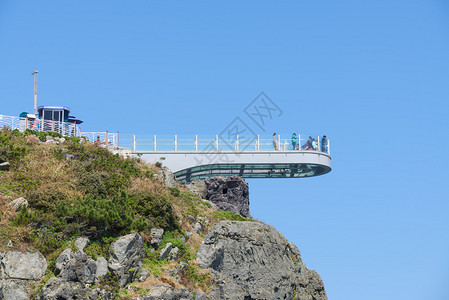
134,142
196,142
258,143
216,142
318,146
237,143
176,142
107,139
279,142
299,141
328,147
154,147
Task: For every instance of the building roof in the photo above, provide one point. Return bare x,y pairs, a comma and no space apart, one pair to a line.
53,107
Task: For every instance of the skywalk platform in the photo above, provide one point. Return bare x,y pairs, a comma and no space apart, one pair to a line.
188,165
230,159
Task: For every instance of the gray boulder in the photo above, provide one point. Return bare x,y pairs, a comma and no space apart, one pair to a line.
14,290
63,260
166,175
57,288
156,237
18,272
4,166
174,253
254,261
78,266
25,266
229,193
81,243
102,268
18,203
166,251
201,225
143,275
167,293
198,187
126,257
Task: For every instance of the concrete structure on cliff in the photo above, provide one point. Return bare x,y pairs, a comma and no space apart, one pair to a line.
248,158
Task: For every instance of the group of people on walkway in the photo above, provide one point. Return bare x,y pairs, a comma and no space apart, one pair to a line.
311,143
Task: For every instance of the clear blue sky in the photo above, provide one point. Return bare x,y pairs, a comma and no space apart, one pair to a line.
372,75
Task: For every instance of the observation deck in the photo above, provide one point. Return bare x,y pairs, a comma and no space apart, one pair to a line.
191,159
194,158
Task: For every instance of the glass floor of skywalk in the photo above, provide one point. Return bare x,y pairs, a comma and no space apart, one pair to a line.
252,171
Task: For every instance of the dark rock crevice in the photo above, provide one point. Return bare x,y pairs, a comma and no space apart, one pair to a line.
229,193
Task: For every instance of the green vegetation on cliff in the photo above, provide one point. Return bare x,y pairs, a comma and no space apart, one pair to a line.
76,189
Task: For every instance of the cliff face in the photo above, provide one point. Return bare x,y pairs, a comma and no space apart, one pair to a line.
254,261
228,193
249,260
97,226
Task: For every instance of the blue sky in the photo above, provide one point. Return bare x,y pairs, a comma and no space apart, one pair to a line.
372,75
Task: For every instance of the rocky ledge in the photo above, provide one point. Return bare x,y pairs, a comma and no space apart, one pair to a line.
249,260
254,261
224,193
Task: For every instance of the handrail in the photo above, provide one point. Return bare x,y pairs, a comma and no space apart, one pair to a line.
36,124
179,143
169,144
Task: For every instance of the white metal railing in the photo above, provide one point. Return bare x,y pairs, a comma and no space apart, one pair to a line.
164,143
64,128
216,143
103,138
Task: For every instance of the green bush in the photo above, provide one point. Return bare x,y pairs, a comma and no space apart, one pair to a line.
158,210
11,148
46,199
102,214
93,184
228,215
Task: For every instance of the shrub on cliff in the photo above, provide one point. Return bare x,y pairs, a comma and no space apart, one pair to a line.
12,148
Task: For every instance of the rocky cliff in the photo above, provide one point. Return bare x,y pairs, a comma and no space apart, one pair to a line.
252,260
87,224
249,260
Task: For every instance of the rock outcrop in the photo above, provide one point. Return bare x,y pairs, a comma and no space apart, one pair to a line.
156,237
78,266
126,257
166,175
254,261
229,193
18,203
19,271
198,187
26,266
57,288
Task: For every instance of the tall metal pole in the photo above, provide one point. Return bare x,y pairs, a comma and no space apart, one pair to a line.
35,73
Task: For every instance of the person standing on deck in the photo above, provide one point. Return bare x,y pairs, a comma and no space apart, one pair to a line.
294,139
275,142
324,144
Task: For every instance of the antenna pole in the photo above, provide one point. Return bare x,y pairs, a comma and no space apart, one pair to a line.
35,73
